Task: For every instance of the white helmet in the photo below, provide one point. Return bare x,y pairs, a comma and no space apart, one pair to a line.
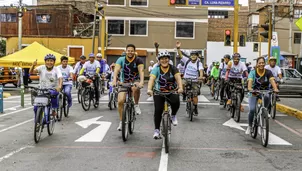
99,55
163,54
152,62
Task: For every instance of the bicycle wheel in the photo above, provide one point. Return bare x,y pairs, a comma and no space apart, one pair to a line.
111,101
237,108
38,124
254,129
66,106
131,120
61,107
51,123
264,126
115,100
191,111
125,122
232,109
79,95
273,106
85,99
165,132
216,93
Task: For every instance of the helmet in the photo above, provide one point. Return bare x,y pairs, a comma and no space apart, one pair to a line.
83,57
272,58
236,54
50,56
91,55
163,54
217,64
227,56
152,62
194,52
99,55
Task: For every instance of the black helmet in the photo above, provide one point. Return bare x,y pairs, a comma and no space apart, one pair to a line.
194,52
227,56
83,57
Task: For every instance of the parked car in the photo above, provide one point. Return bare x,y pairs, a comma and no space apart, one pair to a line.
292,81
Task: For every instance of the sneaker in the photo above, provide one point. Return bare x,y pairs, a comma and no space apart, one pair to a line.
196,110
248,130
229,102
137,110
221,102
156,134
174,120
119,128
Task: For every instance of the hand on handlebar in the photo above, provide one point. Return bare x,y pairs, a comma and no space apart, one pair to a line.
180,91
150,92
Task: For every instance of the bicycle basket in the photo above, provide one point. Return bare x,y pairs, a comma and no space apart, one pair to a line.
41,101
33,96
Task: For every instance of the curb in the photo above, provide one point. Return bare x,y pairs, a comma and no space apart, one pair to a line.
289,111
6,95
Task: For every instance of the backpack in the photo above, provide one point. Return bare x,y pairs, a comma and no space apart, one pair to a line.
188,63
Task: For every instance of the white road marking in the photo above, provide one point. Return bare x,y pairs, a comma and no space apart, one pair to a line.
246,99
15,97
202,98
14,126
16,111
15,101
150,99
12,153
163,164
106,97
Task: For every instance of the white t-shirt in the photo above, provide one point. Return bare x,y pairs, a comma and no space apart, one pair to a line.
191,71
236,71
48,79
150,68
223,68
276,71
66,74
181,68
78,68
91,67
209,69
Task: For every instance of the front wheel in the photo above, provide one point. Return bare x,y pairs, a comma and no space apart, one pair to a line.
51,123
264,125
85,101
79,95
61,107
273,106
66,106
125,122
111,101
165,131
237,108
38,124
131,120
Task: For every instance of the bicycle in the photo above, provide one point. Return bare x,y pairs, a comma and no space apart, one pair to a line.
129,117
88,93
261,118
112,97
216,89
189,95
41,99
166,128
236,89
273,105
102,83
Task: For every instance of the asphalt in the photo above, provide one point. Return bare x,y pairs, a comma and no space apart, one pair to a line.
204,144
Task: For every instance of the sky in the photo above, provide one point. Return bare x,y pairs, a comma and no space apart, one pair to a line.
15,2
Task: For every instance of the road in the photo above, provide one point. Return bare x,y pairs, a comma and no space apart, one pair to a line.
212,141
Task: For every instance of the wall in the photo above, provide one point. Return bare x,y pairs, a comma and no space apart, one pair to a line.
216,50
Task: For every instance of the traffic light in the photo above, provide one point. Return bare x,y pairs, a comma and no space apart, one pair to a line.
242,40
255,47
99,7
177,2
108,39
227,38
267,28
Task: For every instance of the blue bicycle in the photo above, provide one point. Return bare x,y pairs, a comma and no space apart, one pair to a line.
43,115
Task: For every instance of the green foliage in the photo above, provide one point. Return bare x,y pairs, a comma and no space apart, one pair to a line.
2,48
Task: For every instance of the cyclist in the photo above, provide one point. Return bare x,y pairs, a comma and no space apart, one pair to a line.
131,69
222,70
166,78
235,70
193,70
151,66
275,70
92,68
214,76
67,73
259,79
156,45
103,67
79,66
49,77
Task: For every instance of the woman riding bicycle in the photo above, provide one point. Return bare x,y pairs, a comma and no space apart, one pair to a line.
166,78
259,79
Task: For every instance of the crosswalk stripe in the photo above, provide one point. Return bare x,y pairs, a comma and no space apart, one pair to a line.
106,97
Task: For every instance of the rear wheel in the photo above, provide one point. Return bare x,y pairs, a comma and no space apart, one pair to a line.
38,124
125,122
273,106
79,95
66,106
111,101
61,107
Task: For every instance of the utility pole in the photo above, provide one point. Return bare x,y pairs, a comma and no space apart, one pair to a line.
273,15
103,33
20,25
94,23
235,38
291,9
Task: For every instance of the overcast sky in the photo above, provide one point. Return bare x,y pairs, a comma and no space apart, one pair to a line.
15,2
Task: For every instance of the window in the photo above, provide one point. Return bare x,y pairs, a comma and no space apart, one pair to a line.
140,3
138,27
218,14
184,29
297,38
8,17
116,27
43,18
116,2
297,13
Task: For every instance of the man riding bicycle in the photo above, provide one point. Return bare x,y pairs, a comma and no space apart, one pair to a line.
92,68
235,70
222,70
67,73
131,69
214,76
78,67
166,78
193,70
50,77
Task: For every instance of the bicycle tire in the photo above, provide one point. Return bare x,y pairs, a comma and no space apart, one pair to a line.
79,95
273,106
38,124
125,122
51,123
165,126
131,120
93,97
110,101
265,121
115,100
216,93
254,128
66,106
85,97
61,107
237,109
191,111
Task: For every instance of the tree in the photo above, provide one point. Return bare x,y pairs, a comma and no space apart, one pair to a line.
2,48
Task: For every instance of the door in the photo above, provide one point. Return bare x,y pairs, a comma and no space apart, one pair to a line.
75,52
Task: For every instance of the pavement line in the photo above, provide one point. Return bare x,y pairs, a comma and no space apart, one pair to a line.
15,101
14,152
14,126
183,103
12,108
163,164
15,97
288,128
16,111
